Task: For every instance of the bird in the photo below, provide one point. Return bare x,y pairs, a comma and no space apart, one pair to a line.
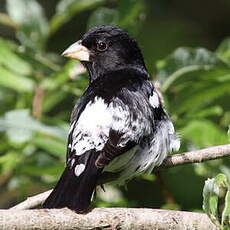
118,127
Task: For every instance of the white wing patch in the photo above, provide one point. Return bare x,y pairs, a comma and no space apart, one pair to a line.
79,169
92,129
154,100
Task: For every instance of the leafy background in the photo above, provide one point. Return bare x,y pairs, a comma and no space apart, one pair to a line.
187,51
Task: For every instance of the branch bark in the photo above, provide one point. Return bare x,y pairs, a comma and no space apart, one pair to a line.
104,219
32,202
196,156
114,218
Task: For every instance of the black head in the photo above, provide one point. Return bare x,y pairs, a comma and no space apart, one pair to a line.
106,48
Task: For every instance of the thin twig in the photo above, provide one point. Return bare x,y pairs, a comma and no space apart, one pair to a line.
37,102
6,20
32,201
167,196
196,156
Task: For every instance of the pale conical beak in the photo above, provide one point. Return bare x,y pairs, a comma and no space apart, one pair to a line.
77,51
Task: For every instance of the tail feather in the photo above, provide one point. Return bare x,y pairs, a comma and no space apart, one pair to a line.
73,191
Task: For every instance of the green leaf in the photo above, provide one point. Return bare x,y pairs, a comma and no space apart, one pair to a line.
204,133
51,145
210,111
11,60
193,80
20,127
186,60
225,222
216,202
15,81
103,16
223,50
30,16
131,14
197,97
50,170
9,161
60,77
52,100
66,9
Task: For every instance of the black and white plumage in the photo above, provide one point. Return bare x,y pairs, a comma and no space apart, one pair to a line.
119,124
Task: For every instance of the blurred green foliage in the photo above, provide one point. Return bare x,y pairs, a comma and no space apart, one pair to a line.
217,201
39,88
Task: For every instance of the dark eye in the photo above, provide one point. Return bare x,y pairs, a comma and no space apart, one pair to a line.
101,46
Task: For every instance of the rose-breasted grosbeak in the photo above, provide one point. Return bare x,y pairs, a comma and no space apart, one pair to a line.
118,125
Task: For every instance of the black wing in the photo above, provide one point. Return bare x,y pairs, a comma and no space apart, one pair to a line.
104,125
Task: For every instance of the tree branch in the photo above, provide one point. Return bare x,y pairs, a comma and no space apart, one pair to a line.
114,218
196,156
32,201
103,219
